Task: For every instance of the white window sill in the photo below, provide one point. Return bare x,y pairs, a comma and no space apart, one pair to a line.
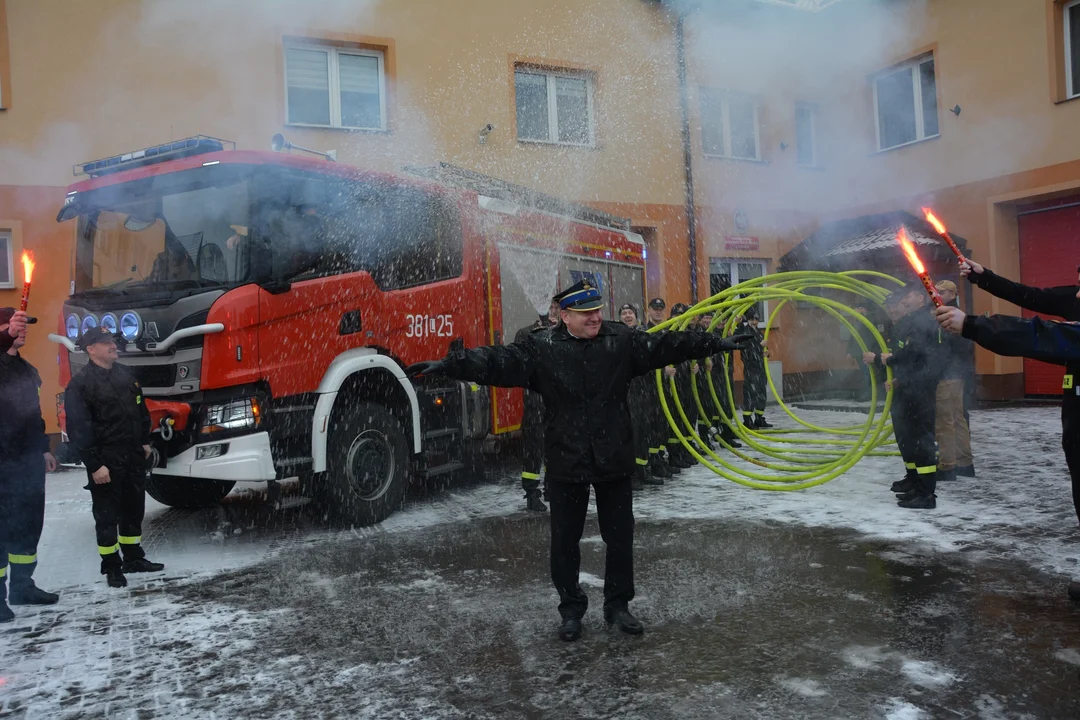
1068,99
904,145
549,143
755,161
383,131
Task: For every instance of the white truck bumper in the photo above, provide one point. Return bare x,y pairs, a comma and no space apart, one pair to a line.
244,459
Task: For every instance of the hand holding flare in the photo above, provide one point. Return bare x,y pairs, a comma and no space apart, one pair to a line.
916,265
28,275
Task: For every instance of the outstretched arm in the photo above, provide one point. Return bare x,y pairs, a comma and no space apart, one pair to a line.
652,351
1050,301
500,365
1034,338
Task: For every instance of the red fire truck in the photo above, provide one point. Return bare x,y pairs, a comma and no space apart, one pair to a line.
268,302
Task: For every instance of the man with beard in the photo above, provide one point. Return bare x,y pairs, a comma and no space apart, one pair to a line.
583,369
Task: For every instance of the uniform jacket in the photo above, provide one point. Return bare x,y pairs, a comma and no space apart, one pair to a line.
1035,338
22,429
918,356
533,404
107,417
753,354
588,432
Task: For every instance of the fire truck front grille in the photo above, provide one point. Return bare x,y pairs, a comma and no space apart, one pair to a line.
154,376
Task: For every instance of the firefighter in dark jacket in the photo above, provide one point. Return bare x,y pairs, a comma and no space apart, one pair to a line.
638,400
1063,301
532,423
721,369
109,426
678,456
1035,338
917,361
659,467
754,369
24,460
583,368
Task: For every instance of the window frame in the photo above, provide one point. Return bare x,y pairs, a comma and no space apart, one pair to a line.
725,98
550,75
9,258
733,265
1070,71
334,71
911,66
812,110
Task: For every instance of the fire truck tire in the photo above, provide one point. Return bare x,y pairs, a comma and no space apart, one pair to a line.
180,492
367,465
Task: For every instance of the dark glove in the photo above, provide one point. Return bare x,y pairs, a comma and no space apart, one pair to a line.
737,341
427,367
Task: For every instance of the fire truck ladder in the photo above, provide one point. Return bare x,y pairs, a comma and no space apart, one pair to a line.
454,176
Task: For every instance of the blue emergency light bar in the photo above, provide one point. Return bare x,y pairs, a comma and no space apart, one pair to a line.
198,145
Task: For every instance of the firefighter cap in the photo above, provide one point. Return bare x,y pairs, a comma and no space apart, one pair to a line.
580,297
96,335
7,312
657,303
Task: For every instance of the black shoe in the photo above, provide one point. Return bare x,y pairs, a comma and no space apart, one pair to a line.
965,470
637,483
651,479
116,578
919,502
32,595
1074,592
5,613
761,422
623,620
905,496
903,486
144,565
570,630
731,440
946,475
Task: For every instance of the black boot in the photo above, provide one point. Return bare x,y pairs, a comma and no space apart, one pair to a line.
5,612
32,595
139,565
946,475
658,469
115,578
622,619
965,470
760,422
919,502
903,486
637,482
533,502
570,630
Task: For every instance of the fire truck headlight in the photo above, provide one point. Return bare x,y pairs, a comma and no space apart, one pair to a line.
90,321
235,415
71,327
109,323
130,326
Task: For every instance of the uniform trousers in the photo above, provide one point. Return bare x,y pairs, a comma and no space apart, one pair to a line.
119,506
638,400
615,514
953,435
22,515
532,431
754,384
913,425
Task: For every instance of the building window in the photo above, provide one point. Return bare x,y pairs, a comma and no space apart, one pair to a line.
335,87
1072,49
905,100
7,262
724,272
554,107
729,125
806,135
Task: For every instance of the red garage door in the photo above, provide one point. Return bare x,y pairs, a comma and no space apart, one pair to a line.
1049,255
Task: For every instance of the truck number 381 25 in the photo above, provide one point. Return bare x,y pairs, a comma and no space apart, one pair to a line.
429,326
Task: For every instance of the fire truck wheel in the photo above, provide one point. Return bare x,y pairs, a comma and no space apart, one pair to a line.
367,473
181,492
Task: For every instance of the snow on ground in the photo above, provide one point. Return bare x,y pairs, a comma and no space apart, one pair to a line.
1018,509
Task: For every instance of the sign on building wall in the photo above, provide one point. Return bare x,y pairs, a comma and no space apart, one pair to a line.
740,242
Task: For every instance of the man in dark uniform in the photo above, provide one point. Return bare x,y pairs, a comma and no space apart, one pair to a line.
583,368
639,411
1063,301
109,426
754,380
24,460
532,423
678,455
916,357
1034,338
657,423
720,368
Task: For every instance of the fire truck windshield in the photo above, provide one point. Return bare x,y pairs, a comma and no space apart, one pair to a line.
187,230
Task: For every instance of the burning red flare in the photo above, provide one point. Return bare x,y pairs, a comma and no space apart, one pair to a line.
28,275
943,232
916,264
